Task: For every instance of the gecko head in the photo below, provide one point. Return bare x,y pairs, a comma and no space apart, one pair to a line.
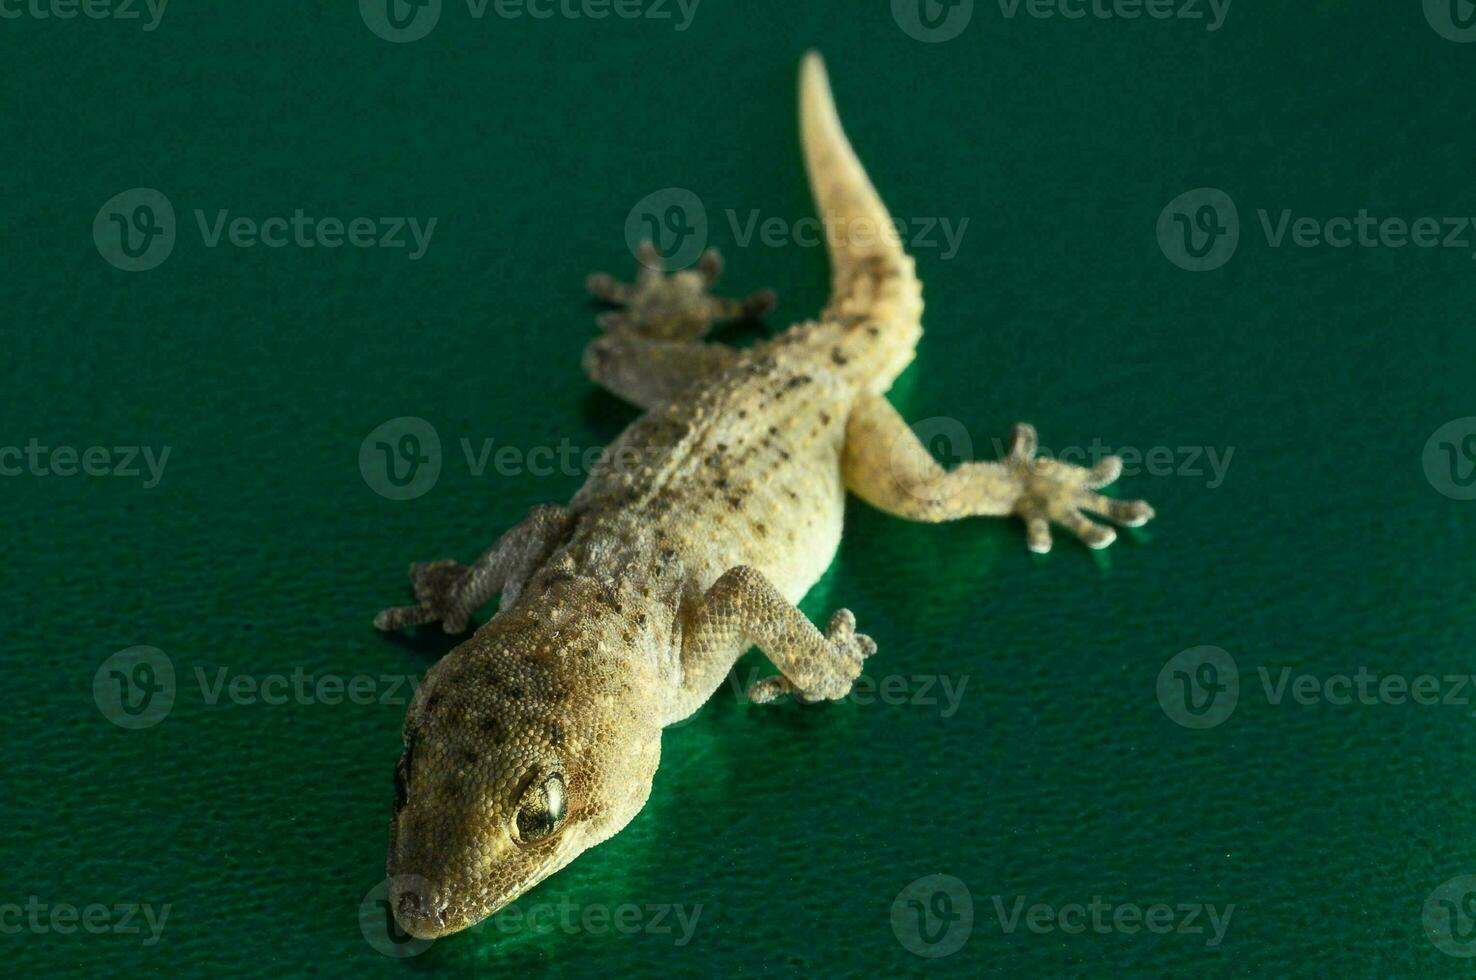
517,759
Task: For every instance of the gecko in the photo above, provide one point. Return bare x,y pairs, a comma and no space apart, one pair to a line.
695,535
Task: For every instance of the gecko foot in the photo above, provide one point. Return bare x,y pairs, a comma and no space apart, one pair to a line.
675,306
1052,491
439,588
833,678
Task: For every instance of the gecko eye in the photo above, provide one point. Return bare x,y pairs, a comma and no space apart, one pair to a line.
541,809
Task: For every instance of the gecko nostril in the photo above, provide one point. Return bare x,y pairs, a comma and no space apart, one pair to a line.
413,904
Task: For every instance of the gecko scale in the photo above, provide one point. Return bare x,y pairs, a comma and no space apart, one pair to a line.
697,532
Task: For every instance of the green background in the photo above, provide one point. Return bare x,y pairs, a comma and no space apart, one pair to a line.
1059,777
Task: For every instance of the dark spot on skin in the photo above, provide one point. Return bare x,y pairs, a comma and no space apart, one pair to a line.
783,454
872,332
722,483
791,494
555,735
626,637
471,757
839,359
431,702
557,575
735,502
608,597
640,619
743,413
773,430
824,418
761,530
402,781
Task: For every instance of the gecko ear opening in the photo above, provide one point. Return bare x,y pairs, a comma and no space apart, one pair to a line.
541,809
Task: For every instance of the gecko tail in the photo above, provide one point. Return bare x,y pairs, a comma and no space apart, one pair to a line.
875,292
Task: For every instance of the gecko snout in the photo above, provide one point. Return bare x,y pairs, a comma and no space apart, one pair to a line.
419,908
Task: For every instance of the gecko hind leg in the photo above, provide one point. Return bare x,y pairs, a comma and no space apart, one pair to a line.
887,466
676,306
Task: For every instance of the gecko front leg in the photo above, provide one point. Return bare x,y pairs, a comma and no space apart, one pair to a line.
449,592
742,609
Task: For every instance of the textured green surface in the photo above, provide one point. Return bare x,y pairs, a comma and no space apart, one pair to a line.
1058,778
